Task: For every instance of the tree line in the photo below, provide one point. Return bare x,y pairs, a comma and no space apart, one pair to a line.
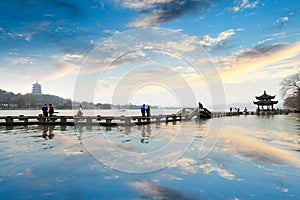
10,101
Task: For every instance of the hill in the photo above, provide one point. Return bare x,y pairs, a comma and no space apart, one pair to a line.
9,100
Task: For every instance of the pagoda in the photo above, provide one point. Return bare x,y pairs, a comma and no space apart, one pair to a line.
36,88
265,100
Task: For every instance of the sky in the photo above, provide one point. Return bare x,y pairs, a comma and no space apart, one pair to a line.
158,52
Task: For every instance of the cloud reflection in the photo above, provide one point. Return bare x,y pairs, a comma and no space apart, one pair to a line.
251,145
189,165
156,191
254,145
208,168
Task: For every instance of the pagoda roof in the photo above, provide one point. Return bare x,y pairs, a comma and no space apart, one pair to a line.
265,103
265,96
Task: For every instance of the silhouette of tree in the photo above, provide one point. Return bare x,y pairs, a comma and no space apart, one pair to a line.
290,91
290,85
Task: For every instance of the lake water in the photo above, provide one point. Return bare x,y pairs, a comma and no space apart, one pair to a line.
245,157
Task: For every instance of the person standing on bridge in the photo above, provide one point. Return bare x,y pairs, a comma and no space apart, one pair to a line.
148,111
143,109
200,105
79,111
45,110
51,110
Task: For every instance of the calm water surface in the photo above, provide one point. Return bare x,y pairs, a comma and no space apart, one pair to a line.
255,157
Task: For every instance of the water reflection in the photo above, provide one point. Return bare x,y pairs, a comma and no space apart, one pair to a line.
261,161
145,133
150,190
145,148
47,132
265,116
259,145
296,117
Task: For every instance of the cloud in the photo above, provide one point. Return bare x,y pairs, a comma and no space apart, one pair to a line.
142,4
61,65
125,49
281,22
275,36
132,49
112,32
74,58
55,71
53,68
244,4
255,63
220,39
153,13
21,61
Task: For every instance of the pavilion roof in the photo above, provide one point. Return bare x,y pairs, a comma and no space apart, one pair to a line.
265,103
265,96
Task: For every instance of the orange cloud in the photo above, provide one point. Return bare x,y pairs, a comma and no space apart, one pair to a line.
251,63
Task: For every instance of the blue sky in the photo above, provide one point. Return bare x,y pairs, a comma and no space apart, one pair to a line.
253,44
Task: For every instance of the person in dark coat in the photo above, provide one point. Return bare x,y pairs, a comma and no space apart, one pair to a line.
143,109
51,110
45,110
148,111
200,105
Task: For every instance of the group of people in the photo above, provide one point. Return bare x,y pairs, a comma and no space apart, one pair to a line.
145,111
48,111
237,109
